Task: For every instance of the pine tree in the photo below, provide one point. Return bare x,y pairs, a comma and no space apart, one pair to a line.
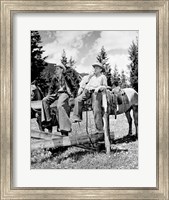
115,74
71,62
123,79
133,67
64,60
37,62
103,60
46,76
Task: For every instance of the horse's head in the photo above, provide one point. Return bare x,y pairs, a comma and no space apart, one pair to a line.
36,93
33,88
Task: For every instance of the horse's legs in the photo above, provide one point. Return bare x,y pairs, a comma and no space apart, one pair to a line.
129,119
135,116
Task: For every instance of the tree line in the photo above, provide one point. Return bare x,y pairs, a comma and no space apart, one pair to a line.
42,72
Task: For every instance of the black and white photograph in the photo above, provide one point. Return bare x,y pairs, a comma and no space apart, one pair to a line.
84,99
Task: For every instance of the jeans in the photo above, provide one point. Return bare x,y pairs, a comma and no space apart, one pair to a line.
96,105
62,108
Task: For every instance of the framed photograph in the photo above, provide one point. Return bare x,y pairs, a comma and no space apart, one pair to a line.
84,99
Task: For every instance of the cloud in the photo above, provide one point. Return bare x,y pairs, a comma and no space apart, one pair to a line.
116,44
112,40
84,46
84,68
121,61
84,65
70,41
82,61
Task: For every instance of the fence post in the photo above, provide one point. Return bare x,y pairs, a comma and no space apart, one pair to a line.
106,122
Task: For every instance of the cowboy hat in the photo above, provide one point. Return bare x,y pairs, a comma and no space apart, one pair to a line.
62,67
98,65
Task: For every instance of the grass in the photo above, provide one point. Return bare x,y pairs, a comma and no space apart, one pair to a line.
124,151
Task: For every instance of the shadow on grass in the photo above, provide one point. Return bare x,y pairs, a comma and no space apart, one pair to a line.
125,139
116,150
63,153
58,150
75,156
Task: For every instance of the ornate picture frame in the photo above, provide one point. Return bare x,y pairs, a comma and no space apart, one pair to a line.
8,9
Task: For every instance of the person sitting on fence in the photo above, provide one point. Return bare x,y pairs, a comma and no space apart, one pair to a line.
94,84
58,90
84,82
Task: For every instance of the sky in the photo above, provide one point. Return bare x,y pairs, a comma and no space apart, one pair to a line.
84,46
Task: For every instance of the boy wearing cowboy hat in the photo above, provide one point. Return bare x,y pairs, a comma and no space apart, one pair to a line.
58,90
96,82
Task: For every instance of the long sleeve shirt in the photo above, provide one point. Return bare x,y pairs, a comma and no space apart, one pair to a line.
96,81
58,84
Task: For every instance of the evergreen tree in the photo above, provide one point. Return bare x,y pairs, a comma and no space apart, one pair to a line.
115,74
64,60
37,62
46,77
133,67
103,60
123,79
71,62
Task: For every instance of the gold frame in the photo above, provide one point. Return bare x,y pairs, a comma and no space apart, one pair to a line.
161,8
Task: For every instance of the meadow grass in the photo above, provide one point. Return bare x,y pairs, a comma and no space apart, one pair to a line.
124,151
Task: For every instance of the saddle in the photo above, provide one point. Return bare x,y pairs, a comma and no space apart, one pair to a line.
117,99
120,96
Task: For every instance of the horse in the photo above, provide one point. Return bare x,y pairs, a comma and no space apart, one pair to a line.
127,100
36,93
